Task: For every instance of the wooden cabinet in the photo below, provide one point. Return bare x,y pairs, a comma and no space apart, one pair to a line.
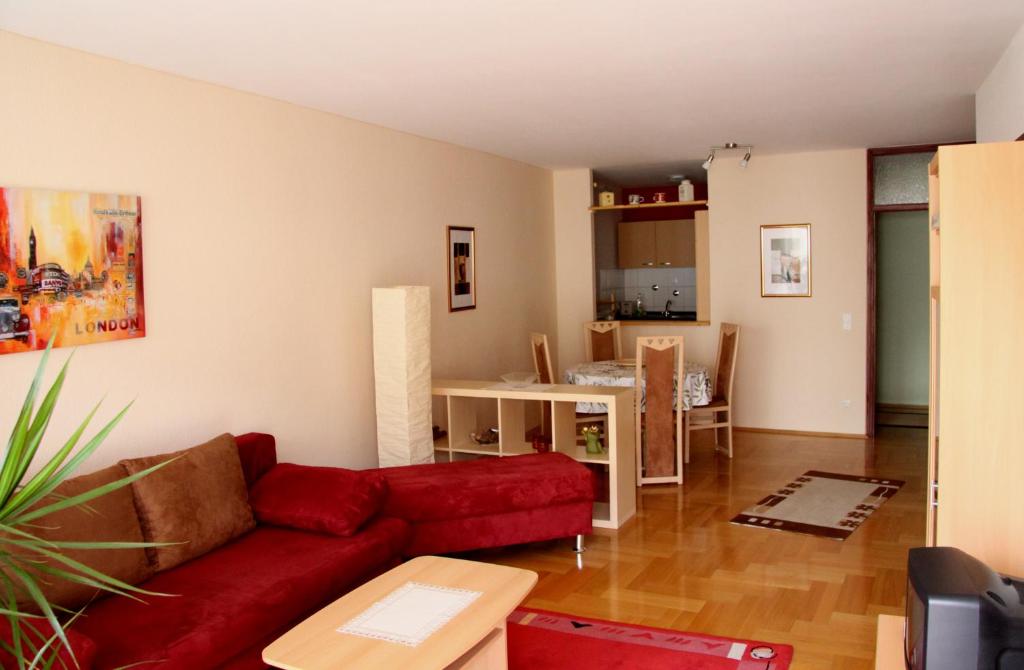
977,374
649,244
675,244
638,247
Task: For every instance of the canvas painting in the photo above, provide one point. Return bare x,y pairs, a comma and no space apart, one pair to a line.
786,260
461,268
70,266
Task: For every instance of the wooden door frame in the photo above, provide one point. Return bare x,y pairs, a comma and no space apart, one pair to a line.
870,390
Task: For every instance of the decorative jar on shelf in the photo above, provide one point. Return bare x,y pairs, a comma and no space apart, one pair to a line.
592,434
685,190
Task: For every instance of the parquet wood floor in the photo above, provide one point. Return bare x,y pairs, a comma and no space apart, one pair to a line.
680,563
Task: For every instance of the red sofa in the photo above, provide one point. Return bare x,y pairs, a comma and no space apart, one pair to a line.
230,603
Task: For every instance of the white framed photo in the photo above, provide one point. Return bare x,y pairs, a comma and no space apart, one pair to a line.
786,261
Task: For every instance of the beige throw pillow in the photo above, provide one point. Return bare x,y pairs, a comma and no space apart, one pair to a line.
199,500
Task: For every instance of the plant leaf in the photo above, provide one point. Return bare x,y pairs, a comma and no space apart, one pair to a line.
16,443
35,433
72,501
37,595
88,571
81,579
36,488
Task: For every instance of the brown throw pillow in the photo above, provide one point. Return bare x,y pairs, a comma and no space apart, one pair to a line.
199,500
109,518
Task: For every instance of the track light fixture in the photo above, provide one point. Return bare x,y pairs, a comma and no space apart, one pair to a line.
728,146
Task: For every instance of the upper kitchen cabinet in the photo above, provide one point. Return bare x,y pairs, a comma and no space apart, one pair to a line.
650,244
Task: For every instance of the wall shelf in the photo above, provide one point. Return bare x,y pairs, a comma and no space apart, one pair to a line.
650,205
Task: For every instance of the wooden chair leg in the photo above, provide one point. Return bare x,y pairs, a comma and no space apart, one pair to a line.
728,430
686,437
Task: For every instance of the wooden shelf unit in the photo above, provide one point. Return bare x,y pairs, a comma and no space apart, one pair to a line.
649,205
464,412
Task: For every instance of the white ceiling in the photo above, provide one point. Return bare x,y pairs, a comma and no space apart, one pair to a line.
564,83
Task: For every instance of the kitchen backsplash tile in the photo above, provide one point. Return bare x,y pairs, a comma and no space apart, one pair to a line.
627,284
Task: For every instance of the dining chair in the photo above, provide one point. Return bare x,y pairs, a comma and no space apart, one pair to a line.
659,429
541,358
545,374
717,415
602,340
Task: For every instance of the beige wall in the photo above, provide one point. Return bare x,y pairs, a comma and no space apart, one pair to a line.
288,216
574,263
796,364
999,102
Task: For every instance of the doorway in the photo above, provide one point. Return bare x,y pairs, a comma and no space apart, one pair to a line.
897,337
901,319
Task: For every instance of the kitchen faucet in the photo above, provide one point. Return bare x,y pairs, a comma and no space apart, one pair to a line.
668,306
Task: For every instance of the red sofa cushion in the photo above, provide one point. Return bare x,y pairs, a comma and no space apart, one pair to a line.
485,486
326,500
83,648
237,594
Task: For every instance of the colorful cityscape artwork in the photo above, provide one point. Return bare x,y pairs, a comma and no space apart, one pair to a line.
70,266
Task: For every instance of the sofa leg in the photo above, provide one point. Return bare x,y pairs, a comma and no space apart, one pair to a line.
579,545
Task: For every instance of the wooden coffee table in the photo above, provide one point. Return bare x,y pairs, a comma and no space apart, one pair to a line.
474,638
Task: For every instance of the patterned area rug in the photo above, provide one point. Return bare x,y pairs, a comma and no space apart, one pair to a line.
826,504
539,640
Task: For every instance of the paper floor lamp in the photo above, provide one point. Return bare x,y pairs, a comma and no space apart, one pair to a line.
401,368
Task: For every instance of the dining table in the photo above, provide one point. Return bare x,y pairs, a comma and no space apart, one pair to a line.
696,386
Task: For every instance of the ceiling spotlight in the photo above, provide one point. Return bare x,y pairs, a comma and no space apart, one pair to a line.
711,158
745,161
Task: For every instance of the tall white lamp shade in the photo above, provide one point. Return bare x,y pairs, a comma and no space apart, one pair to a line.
401,368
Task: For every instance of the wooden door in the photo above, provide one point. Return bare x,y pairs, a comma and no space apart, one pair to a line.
981,355
637,244
675,243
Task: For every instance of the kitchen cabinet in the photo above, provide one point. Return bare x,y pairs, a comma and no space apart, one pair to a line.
648,244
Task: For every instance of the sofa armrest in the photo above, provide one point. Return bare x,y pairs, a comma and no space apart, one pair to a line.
258,453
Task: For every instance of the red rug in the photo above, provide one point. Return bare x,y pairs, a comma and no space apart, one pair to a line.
539,640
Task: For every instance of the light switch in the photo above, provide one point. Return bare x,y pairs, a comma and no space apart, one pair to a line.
847,321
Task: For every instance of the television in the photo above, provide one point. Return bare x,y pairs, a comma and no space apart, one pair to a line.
961,615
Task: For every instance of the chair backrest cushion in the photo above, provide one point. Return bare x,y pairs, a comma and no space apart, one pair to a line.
541,359
726,363
659,444
602,345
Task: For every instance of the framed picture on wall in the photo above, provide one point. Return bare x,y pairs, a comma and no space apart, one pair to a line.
786,261
461,268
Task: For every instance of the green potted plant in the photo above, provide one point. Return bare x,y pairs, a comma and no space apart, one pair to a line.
25,500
